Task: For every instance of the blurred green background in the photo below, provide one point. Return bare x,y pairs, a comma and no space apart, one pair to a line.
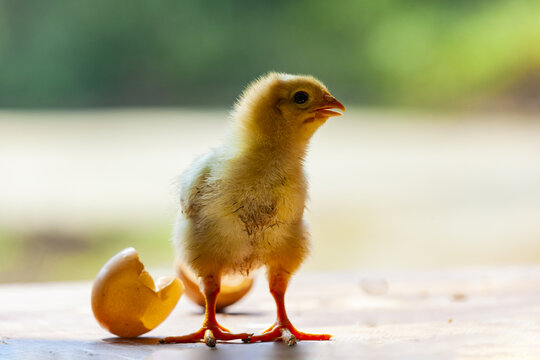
103,103
390,52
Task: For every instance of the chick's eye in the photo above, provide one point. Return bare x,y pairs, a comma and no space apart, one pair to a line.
301,97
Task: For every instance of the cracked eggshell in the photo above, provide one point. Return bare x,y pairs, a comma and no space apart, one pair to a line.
233,288
125,300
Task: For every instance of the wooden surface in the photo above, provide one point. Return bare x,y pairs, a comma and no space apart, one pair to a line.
456,314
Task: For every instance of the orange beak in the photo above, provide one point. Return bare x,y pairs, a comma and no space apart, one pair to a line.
330,102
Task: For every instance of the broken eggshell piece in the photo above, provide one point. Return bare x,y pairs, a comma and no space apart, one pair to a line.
233,288
125,300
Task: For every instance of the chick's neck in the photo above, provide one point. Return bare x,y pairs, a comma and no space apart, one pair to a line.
266,130
277,149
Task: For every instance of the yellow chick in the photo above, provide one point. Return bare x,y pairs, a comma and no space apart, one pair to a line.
243,203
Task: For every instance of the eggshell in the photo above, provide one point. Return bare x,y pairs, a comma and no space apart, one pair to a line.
125,300
233,288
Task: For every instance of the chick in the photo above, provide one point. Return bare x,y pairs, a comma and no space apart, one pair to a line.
243,203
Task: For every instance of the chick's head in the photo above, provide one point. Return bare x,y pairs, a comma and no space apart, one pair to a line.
283,106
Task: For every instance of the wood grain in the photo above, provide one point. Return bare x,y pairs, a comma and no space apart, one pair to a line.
487,313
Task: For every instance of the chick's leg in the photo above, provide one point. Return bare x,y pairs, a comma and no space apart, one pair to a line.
211,330
282,329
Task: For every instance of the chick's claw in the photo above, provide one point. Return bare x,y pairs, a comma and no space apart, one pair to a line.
286,333
207,335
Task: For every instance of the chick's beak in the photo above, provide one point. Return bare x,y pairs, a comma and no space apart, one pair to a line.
329,104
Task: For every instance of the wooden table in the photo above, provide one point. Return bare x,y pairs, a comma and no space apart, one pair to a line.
488,313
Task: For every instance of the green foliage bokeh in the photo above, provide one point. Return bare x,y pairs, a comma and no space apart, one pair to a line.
122,53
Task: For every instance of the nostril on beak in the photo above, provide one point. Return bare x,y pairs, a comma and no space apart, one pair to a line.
329,98
333,101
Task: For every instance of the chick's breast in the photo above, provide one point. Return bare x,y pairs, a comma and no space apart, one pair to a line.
236,220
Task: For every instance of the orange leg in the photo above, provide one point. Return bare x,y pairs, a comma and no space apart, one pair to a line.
282,329
211,330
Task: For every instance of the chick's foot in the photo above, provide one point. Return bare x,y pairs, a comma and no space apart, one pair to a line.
208,335
286,333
